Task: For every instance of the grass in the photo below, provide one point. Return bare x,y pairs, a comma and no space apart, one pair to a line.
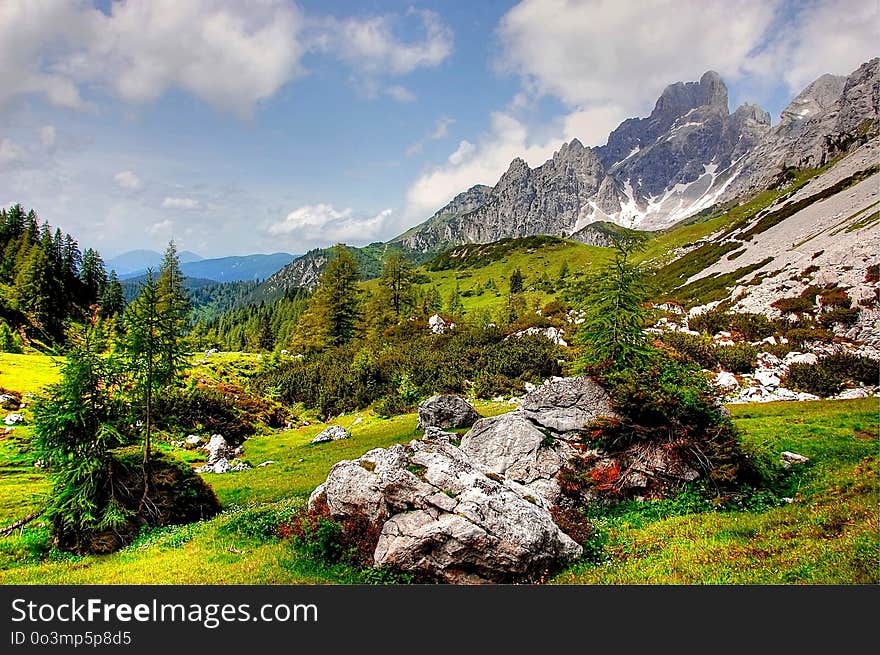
827,535
27,373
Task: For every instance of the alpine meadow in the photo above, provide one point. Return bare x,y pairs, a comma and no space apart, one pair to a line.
562,317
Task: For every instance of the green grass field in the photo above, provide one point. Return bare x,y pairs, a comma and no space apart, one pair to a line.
828,534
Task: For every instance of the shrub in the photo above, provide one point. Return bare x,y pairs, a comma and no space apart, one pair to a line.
739,358
872,273
795,304
697,350
708,322
752,327
202,409
839,315
833,373
835,297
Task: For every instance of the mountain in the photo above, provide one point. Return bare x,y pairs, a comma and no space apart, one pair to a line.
234,269
137,261
687,155
690,154
222,269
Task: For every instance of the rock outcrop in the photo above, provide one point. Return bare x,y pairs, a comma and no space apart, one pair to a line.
486,510
442,518
446,411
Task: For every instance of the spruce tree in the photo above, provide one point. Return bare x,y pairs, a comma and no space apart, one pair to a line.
173,309
396,282
338,293
113,299
74,434
142,348
516,281
615,315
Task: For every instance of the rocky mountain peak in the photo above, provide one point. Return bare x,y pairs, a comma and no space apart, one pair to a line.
680,98
814,99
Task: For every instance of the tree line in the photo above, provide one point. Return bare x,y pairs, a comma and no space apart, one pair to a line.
47,281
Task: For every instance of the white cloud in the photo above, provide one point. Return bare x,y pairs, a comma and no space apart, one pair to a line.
129,181
591,53
171,202
48,137
825,38
161,227
32,34
228,53
10,152
323,224
370,45
400,93
440,131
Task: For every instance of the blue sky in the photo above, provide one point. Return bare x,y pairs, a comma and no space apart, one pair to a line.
239,127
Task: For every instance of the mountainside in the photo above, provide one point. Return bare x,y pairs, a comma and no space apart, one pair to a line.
689,154
135,262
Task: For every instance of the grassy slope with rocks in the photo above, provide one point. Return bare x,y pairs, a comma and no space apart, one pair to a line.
827,535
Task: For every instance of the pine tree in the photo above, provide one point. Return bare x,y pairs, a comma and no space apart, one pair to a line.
74,435
173,312
396,282
142,350
113,299
454,304
615,314
338,293
516,281
93,275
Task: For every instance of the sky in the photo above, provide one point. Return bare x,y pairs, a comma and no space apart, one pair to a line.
247,126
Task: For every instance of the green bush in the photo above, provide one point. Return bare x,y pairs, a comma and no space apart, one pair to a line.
832,374
738,358
697,350
709,322
841,315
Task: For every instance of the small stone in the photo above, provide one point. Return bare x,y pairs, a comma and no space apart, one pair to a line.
332,433
789,458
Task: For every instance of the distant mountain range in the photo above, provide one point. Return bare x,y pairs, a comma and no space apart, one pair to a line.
223,269
135,262
690,154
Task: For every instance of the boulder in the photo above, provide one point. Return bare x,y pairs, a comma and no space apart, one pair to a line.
217,448
8,431
13,419
224,465
767,379
333,433
446,411
441,518
511,445
788,458
800,358
436,434
851,394
567,404
192,441
726,381
8,401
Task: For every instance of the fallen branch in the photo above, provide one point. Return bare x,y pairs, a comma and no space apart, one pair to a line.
9,529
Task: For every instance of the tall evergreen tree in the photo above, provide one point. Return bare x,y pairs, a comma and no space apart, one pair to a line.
613,330
93,275
74,435
516,281
142,350
173,309
396,282
113,299
338,295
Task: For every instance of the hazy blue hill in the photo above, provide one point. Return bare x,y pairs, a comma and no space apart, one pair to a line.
135,262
